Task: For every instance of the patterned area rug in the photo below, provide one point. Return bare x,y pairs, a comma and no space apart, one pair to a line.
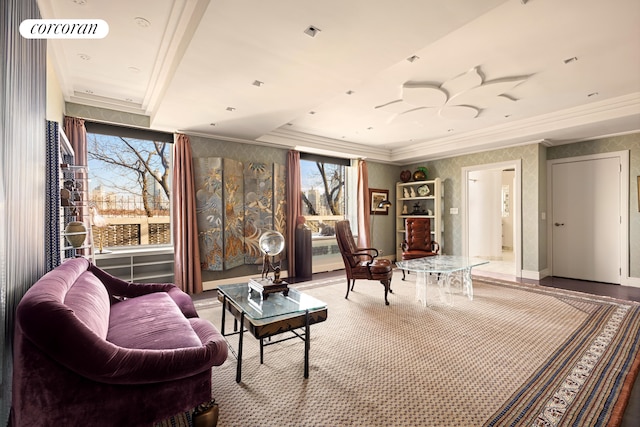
515,355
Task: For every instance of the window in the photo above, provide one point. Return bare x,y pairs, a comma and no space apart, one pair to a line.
325,183
129,186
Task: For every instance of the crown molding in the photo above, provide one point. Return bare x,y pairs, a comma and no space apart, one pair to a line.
537,129
339,148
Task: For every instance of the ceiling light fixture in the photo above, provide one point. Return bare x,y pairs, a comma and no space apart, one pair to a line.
592,94
570,60
84,56
231,109
350,92
413,58
312,112
80,2
142,22
212,124
258,83
311,31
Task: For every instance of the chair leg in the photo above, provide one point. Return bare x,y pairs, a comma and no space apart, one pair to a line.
387,287
348,286
353,284
402,274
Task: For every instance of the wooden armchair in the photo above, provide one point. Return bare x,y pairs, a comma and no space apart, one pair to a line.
418,242
362,263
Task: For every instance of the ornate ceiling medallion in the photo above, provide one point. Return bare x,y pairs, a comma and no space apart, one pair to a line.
461,98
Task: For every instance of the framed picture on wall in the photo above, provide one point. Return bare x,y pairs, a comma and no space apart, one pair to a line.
376,196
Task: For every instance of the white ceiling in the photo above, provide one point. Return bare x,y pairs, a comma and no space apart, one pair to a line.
489,73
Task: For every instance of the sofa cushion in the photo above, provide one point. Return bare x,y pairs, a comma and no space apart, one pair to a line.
151,321
89,300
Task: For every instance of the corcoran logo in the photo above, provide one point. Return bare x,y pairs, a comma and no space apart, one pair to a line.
64,28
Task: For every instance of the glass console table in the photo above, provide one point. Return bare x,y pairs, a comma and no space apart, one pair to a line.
440,275
266,317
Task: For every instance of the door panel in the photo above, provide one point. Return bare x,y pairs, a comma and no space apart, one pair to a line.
586,220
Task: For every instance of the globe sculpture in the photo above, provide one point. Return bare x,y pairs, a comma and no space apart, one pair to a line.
271,243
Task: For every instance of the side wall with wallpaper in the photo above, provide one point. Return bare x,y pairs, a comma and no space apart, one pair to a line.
534,193
606,145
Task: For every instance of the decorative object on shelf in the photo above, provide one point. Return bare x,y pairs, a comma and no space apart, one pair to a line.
99,226
429,212
420,174
75,232
271,244
416,208
376,198
413,192
405,176
405,193
405,210
423,190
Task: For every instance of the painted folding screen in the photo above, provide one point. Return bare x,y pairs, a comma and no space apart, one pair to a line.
235,204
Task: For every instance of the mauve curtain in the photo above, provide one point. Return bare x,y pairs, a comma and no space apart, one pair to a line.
188,276
77,135
294,208
364,238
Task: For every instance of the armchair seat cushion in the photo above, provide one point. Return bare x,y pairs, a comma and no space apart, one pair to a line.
378,266
152,322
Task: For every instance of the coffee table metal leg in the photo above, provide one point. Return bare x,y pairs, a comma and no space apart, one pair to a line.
261,351
239,368
307,337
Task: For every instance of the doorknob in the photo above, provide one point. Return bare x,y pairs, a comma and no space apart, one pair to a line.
558,224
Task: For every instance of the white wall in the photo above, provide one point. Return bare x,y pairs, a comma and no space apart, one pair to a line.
485,214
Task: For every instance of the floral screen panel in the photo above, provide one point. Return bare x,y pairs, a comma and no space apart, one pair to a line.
265,207
235,204
208,182
233,196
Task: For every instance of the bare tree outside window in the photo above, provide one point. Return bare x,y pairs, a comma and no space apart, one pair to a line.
130,178
323,201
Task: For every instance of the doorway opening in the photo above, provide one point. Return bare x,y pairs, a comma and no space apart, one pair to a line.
491,224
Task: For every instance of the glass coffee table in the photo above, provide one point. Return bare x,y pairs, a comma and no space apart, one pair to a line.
440,276
265,317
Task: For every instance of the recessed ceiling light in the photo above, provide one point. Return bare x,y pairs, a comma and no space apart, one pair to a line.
312,112
84,56
593,94
370,128
413,58
570,60
258,83
231,109
142,22
311,31
212,124
449,130
350,92
507,116
80,2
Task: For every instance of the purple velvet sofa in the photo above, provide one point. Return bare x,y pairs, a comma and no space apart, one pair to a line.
93,350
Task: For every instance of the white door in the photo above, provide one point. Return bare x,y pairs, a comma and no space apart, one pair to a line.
586,219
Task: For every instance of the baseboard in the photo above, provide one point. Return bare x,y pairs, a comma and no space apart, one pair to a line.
631,281
535,275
